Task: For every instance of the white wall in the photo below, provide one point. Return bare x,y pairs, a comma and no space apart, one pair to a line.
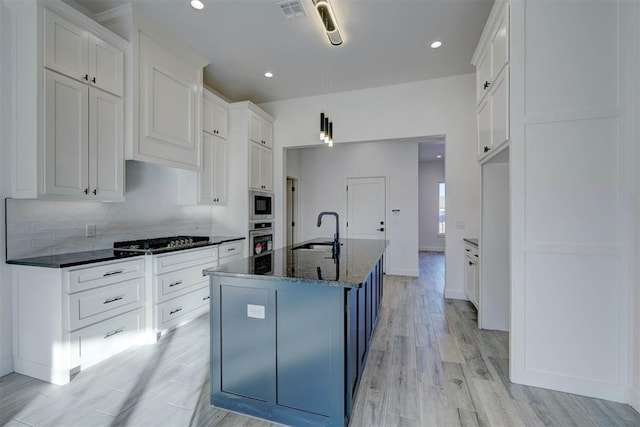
634,304
293,163
432,107
323,183
572,162
6,358
429,175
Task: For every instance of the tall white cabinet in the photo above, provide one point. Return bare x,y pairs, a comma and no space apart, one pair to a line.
210,185
69,118
260,150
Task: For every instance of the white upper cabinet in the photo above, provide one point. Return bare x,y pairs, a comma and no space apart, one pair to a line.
71,50
165,125
69,117
215,115
261,167
492,83
260,130
66,136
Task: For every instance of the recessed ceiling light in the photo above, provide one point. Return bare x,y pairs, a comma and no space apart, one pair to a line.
438,156
197,4
268,74
436,44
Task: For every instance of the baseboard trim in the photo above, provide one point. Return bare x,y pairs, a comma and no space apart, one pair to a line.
411,272
431,248
455,294
6,365
634,399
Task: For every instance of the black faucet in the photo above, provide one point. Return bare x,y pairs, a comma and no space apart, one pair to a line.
335,249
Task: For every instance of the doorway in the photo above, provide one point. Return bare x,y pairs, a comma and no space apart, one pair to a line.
366,208
292,211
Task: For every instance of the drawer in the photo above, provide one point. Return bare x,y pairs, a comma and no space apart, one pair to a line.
105,274
184,259
228,259
98,342
183,308
471,250
230,249
178,282
95,305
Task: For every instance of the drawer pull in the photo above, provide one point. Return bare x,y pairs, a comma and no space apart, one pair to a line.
112,333
175,311
206,298
231,249
114,299
111,273
468,250
179,282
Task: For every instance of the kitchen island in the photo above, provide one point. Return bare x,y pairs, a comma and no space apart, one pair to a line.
290,330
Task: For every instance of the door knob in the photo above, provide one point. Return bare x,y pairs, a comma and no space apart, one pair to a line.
380,229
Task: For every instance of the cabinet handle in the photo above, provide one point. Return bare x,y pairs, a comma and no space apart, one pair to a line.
468,250
231,249
179,282
206,298
95,192
93,80
486,149
86,191
470,263
380,229
114,299
175,311
111,273
86,77
112,333
486,85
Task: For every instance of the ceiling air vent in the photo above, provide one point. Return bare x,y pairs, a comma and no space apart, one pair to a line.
292,9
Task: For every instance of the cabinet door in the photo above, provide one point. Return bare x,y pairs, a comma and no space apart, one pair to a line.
220,170
254,128
106,140
500,44
468,279
266,133
483,74
169,111
106,66
221,120
484,128
255,159
208,116
65,136
500,110
65,47
208,167
475,274
266,169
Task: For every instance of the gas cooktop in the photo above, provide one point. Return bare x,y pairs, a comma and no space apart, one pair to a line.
161,244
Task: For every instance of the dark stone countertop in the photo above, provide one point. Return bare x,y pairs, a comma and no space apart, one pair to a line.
349,270
471,240
89,257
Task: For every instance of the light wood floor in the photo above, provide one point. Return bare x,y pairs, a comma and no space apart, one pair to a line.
429,365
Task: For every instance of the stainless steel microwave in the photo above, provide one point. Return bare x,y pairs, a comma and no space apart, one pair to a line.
260,205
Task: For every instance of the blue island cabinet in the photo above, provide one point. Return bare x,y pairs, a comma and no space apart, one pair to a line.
288,351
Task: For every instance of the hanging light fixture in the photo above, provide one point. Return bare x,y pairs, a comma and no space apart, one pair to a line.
329,21
322,126
330,134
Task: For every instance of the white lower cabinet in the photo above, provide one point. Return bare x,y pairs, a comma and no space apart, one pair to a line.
471,274
68,319
180,290
230,251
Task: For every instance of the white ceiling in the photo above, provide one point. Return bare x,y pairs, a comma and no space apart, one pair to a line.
386,42
431,149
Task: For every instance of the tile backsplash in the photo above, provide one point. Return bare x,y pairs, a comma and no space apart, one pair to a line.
45,227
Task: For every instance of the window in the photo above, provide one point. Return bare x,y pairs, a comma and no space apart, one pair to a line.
441,221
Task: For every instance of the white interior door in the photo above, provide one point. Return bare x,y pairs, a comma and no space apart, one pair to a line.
366,208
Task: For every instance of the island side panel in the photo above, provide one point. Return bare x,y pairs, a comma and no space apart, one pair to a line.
311,349
248,337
